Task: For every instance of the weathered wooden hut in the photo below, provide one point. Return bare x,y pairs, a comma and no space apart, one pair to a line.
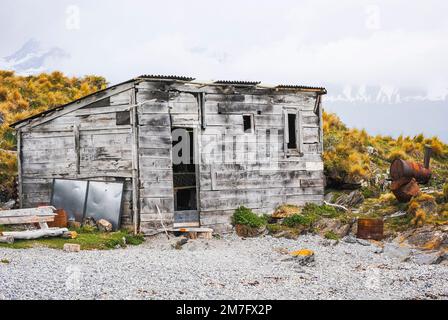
253,145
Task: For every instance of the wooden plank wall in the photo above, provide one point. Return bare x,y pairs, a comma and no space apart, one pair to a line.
83,144
50,150
155,144
256,185
163,110
226,185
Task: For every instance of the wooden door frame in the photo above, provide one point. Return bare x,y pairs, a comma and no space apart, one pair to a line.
196,159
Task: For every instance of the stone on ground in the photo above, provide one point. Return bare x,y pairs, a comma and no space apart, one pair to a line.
70,247
104,226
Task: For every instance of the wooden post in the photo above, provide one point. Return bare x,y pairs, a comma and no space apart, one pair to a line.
285,133
321,122
77,151
428,154
299,132
19,168
197,163
202,111
135,162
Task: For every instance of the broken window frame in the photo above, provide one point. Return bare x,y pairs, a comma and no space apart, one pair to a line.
252,124
123,118
298,150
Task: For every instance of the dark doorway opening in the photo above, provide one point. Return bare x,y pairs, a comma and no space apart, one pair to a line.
184,179
247,121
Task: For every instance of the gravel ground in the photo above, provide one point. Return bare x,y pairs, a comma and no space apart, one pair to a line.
229,268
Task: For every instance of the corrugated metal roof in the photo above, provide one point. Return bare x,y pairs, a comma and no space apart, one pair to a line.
166,78
289,86
237,83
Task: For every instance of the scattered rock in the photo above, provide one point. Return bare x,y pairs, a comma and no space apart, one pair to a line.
287,234
350,239
354,228
283,251
353,240
70,247
8,205
325,225
179,243
104,226
363,242
398,214
352,200
371,150
303,257
425,238
428,258
397,252
329,197
74,224
6,239
329,242
248,232
89,222
70,235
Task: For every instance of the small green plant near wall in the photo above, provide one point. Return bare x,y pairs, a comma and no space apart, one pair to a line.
330,235
245,216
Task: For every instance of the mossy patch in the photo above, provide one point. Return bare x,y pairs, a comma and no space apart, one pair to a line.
299,220
324,211
398,224
87,241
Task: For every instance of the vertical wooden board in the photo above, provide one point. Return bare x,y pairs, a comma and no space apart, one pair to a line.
149,205
19,168
122,98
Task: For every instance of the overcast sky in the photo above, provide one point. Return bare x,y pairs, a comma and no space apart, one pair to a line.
353,47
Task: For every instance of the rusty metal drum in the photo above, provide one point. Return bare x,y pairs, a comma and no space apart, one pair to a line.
371,229
405,189
406,169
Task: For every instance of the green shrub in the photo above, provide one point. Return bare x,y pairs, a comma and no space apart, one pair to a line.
247,217
330,235
115,243
134,240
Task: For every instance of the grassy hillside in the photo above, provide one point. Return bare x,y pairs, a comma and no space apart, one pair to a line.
353,159
21,97
352,156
